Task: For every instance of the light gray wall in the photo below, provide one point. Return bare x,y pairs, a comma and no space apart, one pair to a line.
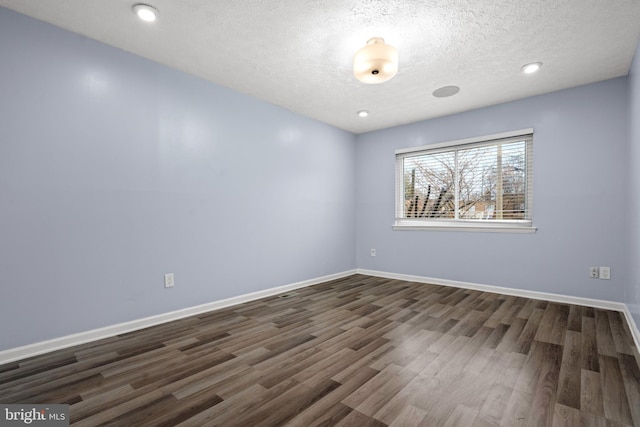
115,170
580,197
632,297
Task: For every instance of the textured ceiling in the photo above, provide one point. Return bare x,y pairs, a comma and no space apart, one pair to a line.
298,54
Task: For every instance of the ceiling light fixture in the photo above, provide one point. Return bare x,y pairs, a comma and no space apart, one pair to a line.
375,63
363,113
531,68
145,12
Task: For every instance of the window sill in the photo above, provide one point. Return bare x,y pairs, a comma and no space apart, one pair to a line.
502,227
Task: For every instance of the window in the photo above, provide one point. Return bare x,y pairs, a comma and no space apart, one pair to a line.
477,184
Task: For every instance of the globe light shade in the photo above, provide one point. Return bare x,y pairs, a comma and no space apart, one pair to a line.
375,63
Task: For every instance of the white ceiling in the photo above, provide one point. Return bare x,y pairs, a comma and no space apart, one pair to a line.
298,53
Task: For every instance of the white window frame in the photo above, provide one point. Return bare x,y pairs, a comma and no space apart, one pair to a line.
499,226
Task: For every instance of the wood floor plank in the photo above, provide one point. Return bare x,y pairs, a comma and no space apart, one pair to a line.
409,416
185,408
591,393
379,397
287,405
564,416
331,416
631,378
480,360
545,332
439,364
497,316
508,368
213,379
525,339
589,420
148,414
570,372
511,337
560,325
496,336
418,393
518,409
356,418
574,322
275,374
458,362
398,356
616,405
590,358
355,351
528,308
619,334
323,412
327,365
544,397
462,416
228,410
357,397
127,407
530,373
366,356
466,389
493,408
604,337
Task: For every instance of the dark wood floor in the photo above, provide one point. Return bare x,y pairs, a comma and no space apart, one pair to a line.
359,351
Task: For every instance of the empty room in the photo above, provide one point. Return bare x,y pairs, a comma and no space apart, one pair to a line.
329,213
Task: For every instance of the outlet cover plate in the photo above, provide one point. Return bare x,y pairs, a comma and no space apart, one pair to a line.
169,280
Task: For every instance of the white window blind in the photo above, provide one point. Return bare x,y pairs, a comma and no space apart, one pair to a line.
485,182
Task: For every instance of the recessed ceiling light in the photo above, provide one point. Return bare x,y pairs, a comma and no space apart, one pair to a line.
446,91
145,12
531,68
363,113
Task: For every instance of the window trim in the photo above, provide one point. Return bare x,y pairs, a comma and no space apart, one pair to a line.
495,226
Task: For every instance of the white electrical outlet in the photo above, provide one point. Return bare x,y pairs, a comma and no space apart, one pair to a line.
168,280
594,272
373,252
605,273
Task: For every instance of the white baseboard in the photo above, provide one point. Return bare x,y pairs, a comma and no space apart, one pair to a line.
607,305
30,350
547,296
42,347
633,326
